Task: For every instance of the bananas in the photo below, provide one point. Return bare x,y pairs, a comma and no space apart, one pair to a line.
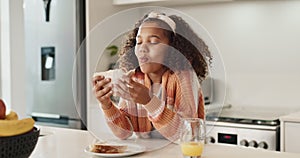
11,116
11,126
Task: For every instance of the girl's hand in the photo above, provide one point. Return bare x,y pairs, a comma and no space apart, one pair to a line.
128,89
102,91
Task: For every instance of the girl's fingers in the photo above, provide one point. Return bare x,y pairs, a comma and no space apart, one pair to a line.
121,85
119,90
107,95
96,79
103,92
100,84
122,95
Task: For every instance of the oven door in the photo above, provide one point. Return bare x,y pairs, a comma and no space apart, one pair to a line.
254,136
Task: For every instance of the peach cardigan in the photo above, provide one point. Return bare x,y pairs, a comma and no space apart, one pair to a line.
181,90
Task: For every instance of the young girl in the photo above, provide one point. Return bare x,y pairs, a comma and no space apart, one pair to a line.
164,60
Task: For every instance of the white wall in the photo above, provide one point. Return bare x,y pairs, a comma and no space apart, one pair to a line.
259,42
4,73
0,49
13,55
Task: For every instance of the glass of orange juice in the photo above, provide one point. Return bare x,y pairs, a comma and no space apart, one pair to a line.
192,137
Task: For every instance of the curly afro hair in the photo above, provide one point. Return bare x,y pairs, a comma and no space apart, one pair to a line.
184,41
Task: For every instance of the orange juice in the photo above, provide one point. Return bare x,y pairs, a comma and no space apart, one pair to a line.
192,148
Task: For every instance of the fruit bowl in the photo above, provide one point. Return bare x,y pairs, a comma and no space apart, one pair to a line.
20,146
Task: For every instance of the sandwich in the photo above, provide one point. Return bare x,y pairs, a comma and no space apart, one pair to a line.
108,148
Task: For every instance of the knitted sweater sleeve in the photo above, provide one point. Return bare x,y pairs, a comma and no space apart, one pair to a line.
120,122
187,102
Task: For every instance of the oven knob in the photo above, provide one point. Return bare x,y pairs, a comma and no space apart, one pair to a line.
253,143
263,145
211,140
244,142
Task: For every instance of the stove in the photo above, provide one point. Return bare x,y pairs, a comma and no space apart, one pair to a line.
248,127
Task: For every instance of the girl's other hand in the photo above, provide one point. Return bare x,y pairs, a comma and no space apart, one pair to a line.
102,90
128,89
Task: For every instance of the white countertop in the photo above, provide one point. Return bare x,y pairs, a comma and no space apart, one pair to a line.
293,117
63,142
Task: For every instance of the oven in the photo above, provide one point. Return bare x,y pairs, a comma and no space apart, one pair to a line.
243,127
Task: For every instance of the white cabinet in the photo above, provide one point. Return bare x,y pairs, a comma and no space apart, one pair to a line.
290,133
292,137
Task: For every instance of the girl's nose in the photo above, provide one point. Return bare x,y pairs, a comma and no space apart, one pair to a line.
143,48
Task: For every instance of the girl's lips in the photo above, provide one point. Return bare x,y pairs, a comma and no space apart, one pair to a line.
143,59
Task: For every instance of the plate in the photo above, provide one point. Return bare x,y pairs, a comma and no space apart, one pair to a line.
131,150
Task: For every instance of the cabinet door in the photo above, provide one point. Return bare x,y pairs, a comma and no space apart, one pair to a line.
292,138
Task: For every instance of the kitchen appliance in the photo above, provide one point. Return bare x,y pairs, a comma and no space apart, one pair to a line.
249,127
54,30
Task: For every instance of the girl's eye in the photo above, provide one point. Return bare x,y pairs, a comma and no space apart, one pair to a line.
154,42
151,42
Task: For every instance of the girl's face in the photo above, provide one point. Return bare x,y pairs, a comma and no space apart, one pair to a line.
151,47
